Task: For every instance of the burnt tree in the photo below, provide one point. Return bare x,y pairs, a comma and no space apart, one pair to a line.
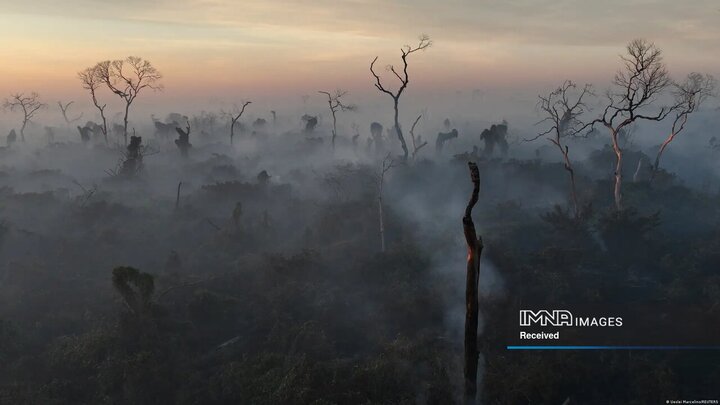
689,95
28,104
91,81
641,80
234,117
404,79
417,142
562,110
474,249
64,110
336,104
127,78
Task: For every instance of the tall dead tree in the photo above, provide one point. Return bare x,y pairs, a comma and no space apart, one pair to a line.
642,78
64,110
689,95
234,117
127,78
562,110
91,81
474,249
404,79
335,104
29,105
417,142
387,164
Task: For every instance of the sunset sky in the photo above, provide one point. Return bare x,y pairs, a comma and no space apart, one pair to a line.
231,49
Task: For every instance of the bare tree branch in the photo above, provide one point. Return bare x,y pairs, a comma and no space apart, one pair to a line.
336,104
64,110
689,95
235,116
126,78
29,105
642,79
563,108
405,51
91,81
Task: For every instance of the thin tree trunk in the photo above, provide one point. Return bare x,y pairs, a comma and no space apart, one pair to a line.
380,211
232,131
177,197
474,246
399,133
125,122
334,132
25,121
618,172
382,224
659,155
636,175
571,172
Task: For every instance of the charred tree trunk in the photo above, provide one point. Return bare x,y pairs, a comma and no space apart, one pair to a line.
398,130
334,130
125,123
618,171
568,166
475,246
177,197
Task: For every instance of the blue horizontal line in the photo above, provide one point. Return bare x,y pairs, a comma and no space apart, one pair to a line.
613,347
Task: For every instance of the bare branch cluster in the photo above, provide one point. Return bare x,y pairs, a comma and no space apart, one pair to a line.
64,109
335,103
91,81
28,104
637,85
644,77
689,95
563,108
424,42
126,78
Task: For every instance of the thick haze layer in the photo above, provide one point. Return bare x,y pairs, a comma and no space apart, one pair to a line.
212,50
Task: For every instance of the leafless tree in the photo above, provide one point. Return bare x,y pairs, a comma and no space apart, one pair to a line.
638,83
417,142
91,81
387,164
29,105
404,79
127,78
64,109
474,247
562,109
234,117
336,104
689,95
